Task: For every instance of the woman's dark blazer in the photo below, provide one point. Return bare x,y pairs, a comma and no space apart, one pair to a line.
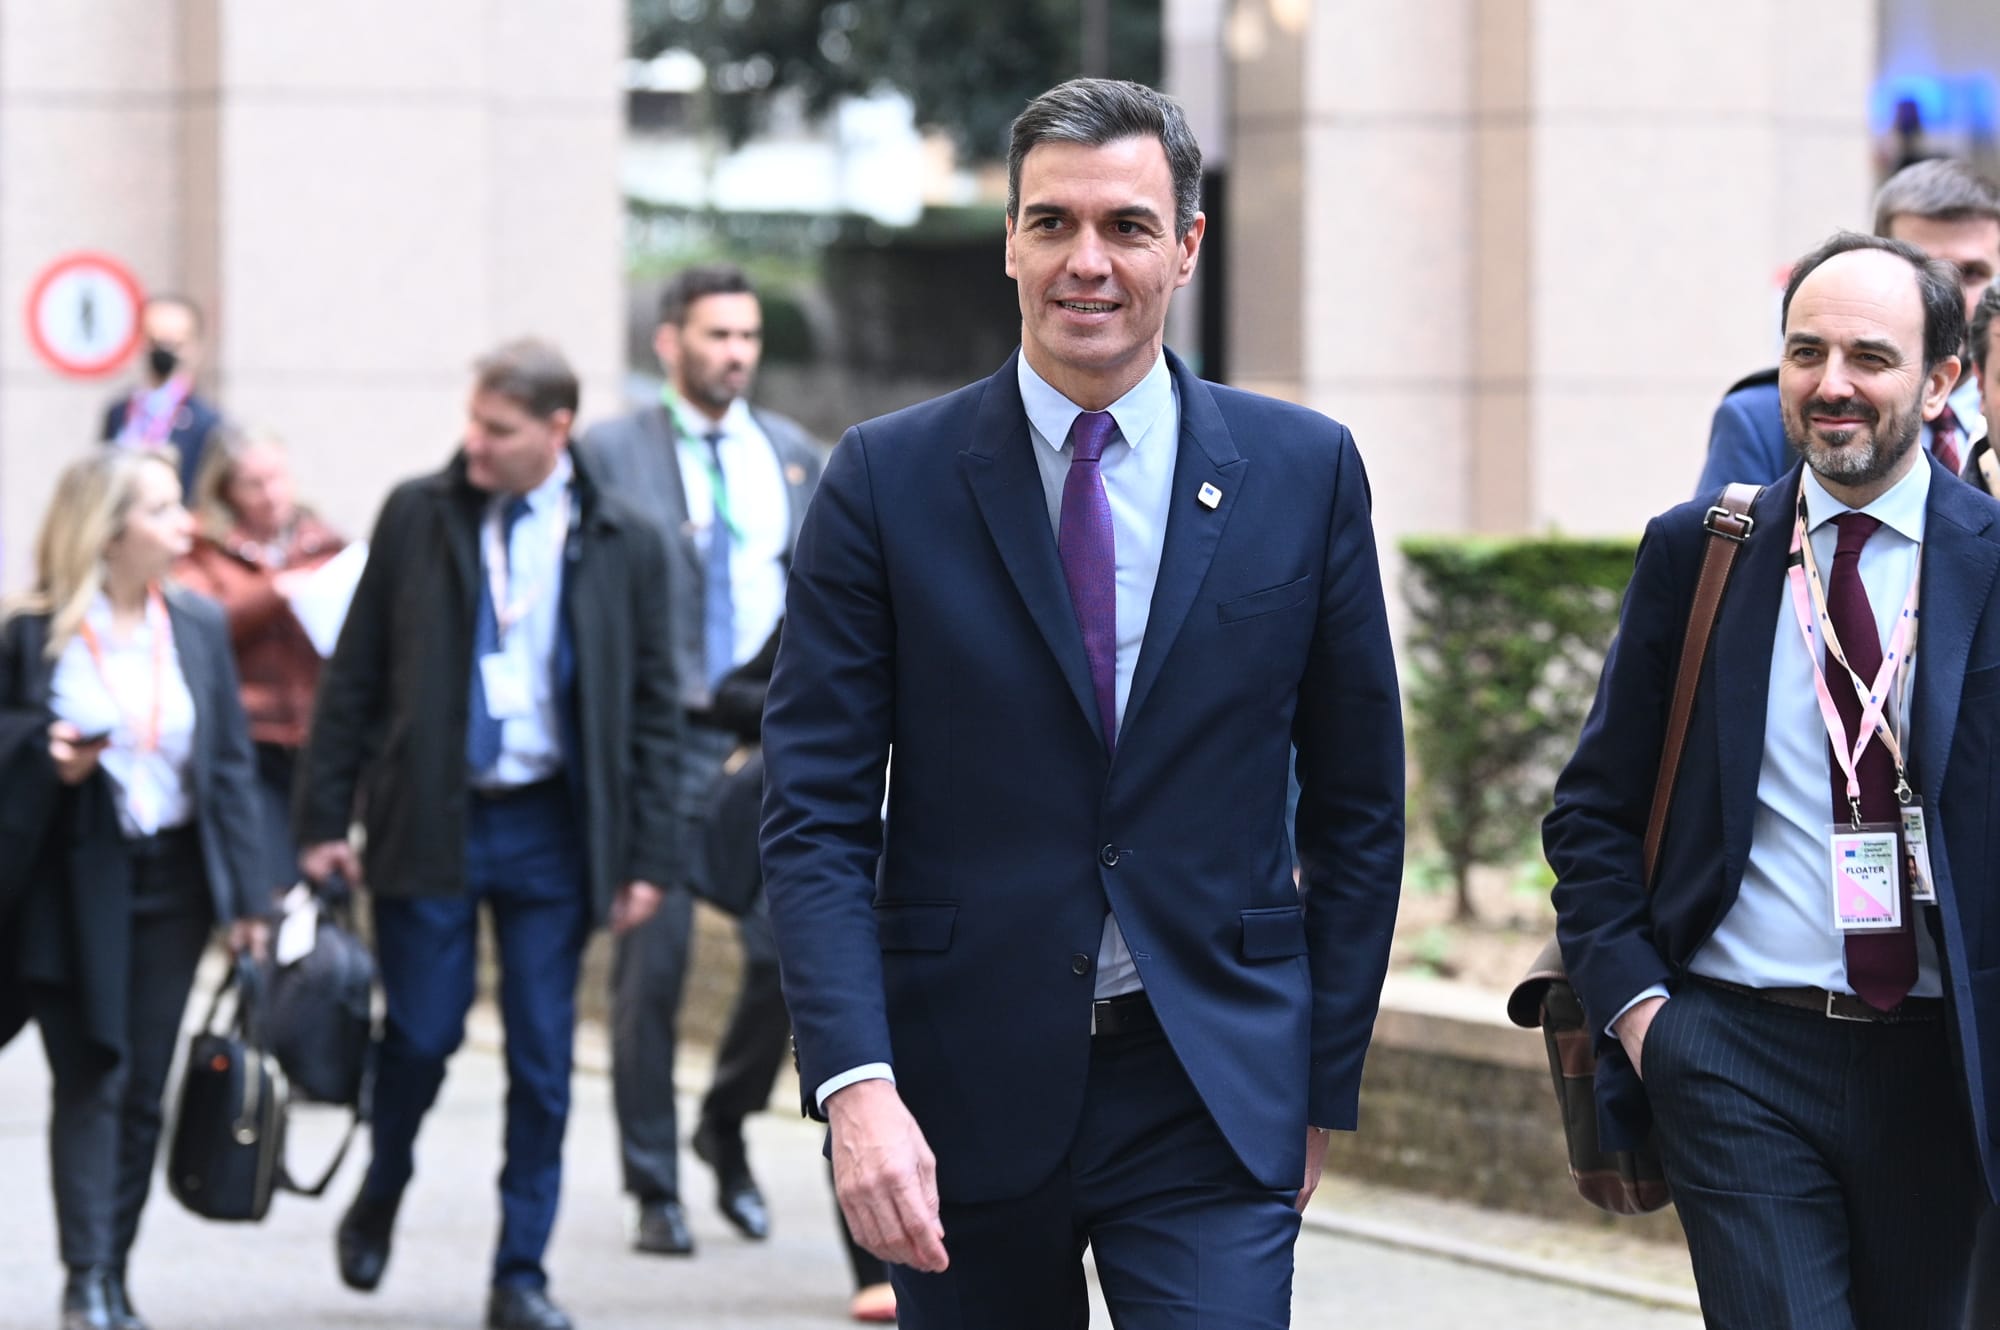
65,878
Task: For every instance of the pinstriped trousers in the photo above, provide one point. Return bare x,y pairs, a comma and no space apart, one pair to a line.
1824,1170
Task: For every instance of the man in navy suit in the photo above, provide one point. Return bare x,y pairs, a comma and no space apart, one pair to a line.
1814,1021
1091,603
1942,208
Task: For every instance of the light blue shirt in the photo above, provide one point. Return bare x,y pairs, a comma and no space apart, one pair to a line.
1138,471
531,745
1780,933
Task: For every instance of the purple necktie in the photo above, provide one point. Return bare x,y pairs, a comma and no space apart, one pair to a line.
1090,560
1881,967
1945,432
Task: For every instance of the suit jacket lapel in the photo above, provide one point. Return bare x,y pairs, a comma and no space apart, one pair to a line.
200,668
1738,676
1958,574
1008,489
1207,456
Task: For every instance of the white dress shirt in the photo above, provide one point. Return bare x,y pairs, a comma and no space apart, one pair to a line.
1780,933
760,510
1138,471
153,785
531,744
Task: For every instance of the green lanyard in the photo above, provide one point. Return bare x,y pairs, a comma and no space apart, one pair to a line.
718,492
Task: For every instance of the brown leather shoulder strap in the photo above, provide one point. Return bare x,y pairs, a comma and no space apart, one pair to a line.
1729,524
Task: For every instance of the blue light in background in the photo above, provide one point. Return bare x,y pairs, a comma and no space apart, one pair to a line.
1966,102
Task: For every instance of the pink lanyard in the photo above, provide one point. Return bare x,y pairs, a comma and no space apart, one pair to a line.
149,419
148,738
1803,570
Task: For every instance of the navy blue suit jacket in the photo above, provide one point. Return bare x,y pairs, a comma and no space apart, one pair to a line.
1746,441
1614,941
927,612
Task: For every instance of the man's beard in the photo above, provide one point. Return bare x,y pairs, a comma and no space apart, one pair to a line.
1847,464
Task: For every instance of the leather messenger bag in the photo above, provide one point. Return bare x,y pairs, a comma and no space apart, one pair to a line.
1628,1182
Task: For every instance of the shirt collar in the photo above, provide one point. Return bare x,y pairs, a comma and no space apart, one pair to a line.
694,427
542,498
1901,508
1137,412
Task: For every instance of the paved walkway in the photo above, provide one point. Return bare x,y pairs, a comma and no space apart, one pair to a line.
191,1275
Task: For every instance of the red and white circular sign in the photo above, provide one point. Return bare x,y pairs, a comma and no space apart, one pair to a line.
83,314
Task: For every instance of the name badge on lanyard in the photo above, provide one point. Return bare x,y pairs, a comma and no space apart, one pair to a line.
505,674
1869,863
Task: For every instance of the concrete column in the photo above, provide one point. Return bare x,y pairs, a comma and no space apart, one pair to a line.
364,196
1522,246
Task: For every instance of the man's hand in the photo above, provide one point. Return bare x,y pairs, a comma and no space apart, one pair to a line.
1316,1139
886,1176
320,862
1631,1030
74,758
252,936
635,903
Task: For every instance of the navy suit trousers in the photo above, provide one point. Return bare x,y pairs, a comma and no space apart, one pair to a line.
1182,1235
524,861
1824,1169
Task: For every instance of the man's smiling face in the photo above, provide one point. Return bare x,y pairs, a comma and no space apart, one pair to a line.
1094,255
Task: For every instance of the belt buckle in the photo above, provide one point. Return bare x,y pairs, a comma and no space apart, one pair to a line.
1095,1007
1832,1015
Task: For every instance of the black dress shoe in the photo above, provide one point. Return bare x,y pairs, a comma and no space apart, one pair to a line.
663,1229
524,1309
737,1196
362,1241
86,1299
122,1314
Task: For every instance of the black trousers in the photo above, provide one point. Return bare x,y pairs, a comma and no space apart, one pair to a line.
648,977
104,1132
1824,1170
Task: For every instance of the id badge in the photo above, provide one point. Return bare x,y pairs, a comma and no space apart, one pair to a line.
1866,874
1917,857
508,696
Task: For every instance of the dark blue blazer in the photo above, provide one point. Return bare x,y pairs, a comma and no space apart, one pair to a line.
1614,941
1746,441
193,425
927,612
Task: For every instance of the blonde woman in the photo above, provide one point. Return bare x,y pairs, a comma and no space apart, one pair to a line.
131,834
252,544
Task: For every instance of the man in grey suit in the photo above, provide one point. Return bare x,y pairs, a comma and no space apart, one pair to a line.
728,485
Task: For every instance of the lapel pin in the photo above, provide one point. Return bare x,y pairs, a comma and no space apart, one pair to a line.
1208,495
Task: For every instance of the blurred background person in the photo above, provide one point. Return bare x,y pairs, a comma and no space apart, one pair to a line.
126,738
165,411
502,715
253,546
1982,468
1950,212
726,484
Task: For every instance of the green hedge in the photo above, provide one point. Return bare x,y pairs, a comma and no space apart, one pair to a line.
1505,641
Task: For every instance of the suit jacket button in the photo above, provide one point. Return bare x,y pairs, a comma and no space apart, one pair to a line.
1079,964
1108,856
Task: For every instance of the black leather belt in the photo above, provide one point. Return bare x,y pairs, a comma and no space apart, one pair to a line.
1128,1013
172,841
499,794
1837,1006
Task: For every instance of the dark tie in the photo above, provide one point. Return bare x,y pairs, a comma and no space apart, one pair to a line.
482,731
1881,967
718,609
1090,560
1945,434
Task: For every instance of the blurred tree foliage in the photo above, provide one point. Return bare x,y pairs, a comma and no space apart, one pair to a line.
1505,642
968,65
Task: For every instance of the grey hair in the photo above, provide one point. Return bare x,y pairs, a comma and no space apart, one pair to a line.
1939,188
1094,112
